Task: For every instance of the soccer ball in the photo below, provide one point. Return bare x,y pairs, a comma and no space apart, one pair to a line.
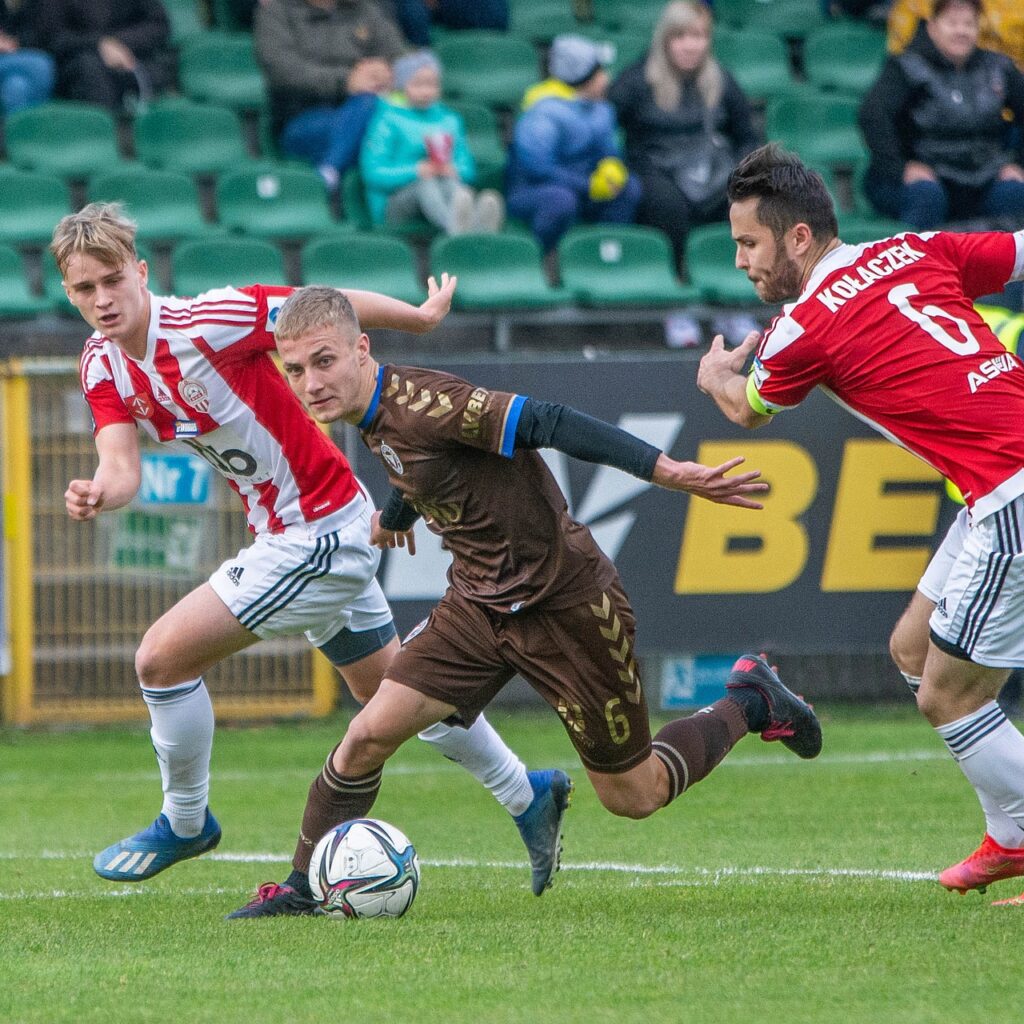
364,868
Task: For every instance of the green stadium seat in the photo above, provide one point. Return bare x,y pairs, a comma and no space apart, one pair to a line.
220,67
540,24
192,138
493,68
711,266
485,142
165,204
31,203
620,265
758,60
820,127
369,262
185,20
72,140
16,300
628,15
495,272
274,201
792,19
855,229
844,56
199,266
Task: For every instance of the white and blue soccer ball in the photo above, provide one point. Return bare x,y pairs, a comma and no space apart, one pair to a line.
364,868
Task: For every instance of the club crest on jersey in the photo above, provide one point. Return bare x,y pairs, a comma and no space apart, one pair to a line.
388,454
194,395
140,407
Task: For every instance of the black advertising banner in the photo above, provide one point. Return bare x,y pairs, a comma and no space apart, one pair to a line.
827,567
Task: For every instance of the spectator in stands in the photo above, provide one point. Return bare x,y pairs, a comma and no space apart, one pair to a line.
687,124
564,161
1002,26
326,63
934,124
111,52
26,74
415,159
416,16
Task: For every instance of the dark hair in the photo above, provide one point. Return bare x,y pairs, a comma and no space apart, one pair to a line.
788,193
941,6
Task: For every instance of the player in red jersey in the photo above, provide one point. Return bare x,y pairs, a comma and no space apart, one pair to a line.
530,591
196,373
889,330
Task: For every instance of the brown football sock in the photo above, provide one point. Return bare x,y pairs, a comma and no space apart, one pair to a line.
332,799
690,747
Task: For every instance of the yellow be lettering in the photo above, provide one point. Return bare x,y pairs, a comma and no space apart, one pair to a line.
777,545
864,512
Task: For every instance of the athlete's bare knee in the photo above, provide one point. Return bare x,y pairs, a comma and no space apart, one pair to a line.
152,666
363,750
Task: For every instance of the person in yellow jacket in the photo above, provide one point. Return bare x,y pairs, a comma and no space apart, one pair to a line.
1002,26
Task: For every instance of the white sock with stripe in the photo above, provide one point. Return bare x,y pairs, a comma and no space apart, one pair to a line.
990,752
182,735
484,754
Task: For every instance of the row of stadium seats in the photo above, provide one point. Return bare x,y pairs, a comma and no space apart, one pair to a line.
600,266
495,68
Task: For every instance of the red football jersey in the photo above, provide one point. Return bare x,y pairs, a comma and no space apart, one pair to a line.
890,331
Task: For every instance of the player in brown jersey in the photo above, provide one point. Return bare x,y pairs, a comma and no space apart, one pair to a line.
530,591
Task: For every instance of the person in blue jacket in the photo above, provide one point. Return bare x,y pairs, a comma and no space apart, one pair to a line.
415,160
564,163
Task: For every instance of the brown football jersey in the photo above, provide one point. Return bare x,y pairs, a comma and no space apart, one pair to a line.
449,447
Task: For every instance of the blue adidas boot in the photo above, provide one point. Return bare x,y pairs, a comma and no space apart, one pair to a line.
152,850
540,825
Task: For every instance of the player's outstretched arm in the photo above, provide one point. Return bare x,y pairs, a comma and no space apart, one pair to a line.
376,310
720,375
710,482
117,476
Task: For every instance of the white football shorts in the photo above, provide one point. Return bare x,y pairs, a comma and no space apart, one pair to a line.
298,582
976,580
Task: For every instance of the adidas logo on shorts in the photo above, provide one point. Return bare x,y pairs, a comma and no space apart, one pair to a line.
235,574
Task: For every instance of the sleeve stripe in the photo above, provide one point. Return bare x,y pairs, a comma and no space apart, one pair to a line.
1018,263
508,432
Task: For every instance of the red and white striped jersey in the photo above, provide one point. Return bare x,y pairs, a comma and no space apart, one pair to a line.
208,385
890,331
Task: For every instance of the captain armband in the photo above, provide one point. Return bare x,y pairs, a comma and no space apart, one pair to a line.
755,400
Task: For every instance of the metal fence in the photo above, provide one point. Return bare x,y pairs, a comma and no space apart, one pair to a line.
81,595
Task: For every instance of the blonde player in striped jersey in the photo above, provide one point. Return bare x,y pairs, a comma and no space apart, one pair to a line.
197,373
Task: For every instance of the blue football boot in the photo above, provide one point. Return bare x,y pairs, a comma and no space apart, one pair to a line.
540,825
150,851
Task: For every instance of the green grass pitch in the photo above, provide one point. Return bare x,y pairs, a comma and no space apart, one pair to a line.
775,891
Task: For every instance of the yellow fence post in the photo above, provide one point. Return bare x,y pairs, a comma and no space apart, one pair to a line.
16,474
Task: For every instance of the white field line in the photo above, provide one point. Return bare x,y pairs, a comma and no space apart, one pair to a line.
663,874
865,759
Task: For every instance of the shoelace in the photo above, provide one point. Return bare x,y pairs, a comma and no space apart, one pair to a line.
266,892
778,730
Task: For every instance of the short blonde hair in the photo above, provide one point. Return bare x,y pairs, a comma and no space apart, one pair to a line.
314,306
100,230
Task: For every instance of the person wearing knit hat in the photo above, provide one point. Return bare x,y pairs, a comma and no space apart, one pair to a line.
564,162
415,158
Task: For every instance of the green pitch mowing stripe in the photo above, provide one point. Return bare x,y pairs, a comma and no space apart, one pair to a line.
776,892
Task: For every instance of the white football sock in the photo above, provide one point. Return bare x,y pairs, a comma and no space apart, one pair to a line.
483,753
182,734
990,752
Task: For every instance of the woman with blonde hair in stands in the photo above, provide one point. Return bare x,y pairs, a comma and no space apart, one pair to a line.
686,121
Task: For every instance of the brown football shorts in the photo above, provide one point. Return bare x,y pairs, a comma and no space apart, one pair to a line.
579,659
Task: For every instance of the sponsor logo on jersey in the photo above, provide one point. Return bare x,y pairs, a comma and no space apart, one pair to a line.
186,428
989,369
472,413
390,456
194,395
140,407
273,309
163,396
235,574
864,275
